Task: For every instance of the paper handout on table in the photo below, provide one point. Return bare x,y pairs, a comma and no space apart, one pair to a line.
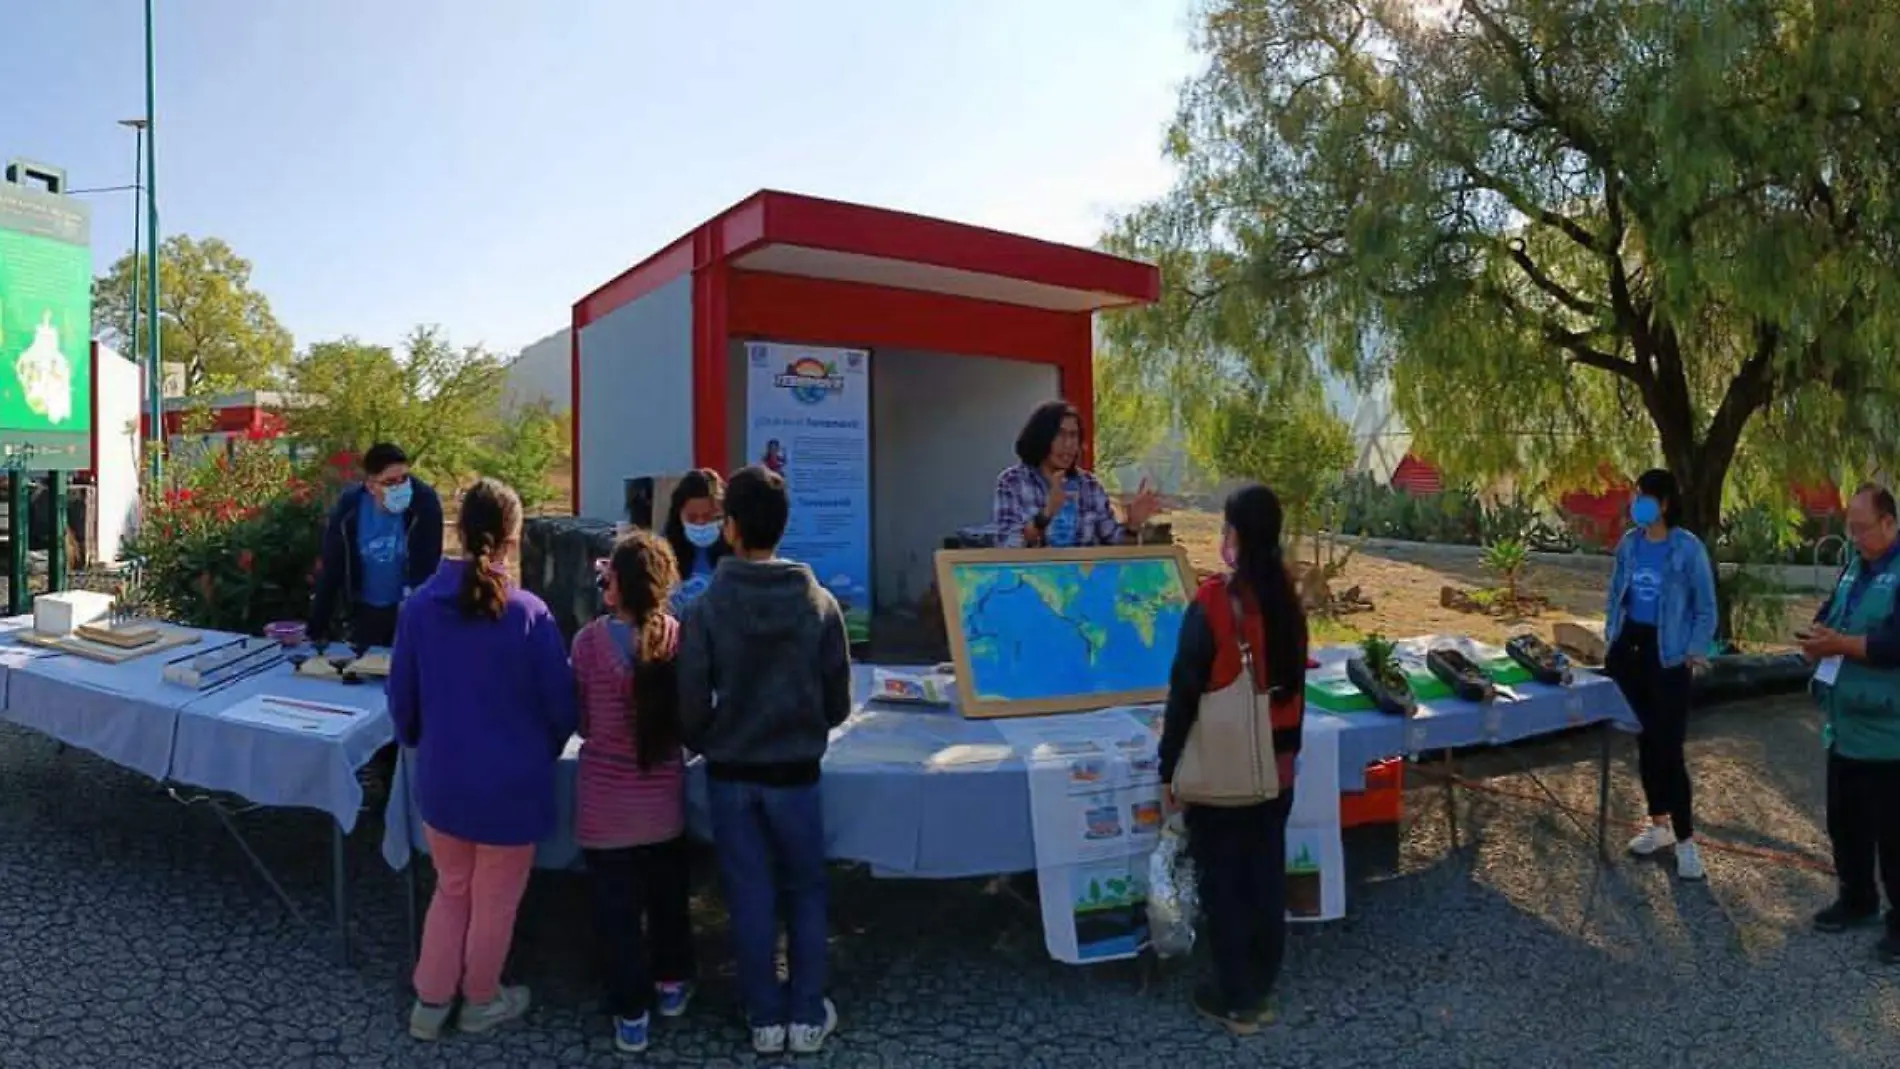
293,714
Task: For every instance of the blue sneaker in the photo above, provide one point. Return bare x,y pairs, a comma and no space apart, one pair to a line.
674,997
630,1034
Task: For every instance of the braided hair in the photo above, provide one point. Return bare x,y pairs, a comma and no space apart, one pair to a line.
490,520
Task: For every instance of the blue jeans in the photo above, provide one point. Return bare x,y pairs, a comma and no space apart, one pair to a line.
771,847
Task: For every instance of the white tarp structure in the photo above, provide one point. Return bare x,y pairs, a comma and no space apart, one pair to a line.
1380,438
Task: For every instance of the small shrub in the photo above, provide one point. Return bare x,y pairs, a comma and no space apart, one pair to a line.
1508,557
231,544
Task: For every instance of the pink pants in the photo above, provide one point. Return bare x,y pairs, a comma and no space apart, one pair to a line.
471,920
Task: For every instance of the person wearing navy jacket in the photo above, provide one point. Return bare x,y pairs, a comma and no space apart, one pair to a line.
382,540
480,689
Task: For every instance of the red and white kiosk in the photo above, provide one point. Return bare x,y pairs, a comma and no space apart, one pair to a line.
966,328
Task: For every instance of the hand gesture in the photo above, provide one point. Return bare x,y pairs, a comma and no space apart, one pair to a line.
1142,507
1821,643
1169,803
1058,495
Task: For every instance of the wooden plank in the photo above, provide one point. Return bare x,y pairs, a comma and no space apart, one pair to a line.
976,708
171,638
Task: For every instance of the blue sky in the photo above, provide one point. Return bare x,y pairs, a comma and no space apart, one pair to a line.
483,163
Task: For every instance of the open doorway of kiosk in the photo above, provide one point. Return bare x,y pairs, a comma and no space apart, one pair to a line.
942,427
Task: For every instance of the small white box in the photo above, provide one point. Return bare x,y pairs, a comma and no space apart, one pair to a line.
63,613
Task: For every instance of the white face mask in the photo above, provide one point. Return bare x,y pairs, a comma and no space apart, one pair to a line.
702,535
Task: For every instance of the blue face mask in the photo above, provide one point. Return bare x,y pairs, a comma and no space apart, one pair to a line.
703,535
397,498
1645,510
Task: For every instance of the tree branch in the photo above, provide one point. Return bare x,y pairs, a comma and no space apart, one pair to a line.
1515,249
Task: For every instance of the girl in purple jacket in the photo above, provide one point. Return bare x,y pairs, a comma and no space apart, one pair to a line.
480,689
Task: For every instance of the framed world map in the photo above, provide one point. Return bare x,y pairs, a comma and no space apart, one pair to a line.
1036,631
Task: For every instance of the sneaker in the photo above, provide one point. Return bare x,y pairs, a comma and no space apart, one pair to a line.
1689,861
509,1004
1654,838
1209,1004
810,1038
630,1034
674,997
1840,916
426,1022
768,1039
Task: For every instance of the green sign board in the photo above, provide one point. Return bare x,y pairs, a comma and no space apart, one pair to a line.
45,331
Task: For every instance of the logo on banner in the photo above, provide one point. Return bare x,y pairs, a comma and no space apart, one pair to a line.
810,381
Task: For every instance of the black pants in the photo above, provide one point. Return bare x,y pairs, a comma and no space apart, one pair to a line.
642,908
1863,820
373,625
1240,855
1660,699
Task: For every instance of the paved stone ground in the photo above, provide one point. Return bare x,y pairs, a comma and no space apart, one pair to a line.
133,935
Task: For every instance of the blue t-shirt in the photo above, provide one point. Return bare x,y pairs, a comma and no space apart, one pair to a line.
1644,599
384,549
698,577
1062,529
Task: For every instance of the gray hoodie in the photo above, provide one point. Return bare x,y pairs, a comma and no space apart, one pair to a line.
764,672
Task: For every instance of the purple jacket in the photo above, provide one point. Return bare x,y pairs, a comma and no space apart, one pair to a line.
488,706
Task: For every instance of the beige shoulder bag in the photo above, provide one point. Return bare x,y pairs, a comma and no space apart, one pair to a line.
1228,760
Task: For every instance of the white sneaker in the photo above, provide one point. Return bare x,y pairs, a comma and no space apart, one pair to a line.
510,1003
768,1039
1689,861
810,1038
1654,838
426,1022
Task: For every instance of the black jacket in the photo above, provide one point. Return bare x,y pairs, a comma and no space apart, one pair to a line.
342,569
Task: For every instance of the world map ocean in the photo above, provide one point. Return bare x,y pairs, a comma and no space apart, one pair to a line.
1049,629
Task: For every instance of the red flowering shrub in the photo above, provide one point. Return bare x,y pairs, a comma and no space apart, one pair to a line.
233,542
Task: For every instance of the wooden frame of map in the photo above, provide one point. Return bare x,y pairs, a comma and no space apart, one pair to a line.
974,706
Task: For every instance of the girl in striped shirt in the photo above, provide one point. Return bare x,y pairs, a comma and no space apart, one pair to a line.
630,796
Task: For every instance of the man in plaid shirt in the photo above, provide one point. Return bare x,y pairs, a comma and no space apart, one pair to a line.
1047,501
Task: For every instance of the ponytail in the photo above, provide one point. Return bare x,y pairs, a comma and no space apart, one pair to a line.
645,574
490,518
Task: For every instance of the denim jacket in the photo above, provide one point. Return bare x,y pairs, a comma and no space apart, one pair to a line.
1685,621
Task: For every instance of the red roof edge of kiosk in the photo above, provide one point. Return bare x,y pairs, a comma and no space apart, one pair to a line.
791,234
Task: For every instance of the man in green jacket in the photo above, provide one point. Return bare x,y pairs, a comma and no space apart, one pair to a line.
1855,645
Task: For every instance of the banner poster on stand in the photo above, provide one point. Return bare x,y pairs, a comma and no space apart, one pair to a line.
808,415
1096,815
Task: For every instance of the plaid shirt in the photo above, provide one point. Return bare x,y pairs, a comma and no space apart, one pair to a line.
1021,493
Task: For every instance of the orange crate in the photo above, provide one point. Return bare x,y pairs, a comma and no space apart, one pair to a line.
1383,800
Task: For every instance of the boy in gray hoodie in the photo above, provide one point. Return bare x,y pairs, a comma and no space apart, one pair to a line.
764,675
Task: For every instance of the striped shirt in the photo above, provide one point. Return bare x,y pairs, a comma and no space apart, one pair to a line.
616,804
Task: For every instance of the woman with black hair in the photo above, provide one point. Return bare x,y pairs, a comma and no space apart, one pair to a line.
1241,850
1660,624
695,518
1047,500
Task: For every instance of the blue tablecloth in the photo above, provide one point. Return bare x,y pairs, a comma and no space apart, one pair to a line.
127,714
915,791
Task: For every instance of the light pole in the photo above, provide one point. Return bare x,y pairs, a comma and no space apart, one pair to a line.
155,376
137,127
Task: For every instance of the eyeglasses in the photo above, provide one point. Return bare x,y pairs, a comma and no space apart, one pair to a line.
388,482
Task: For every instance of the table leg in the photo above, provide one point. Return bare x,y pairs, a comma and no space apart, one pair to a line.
1450,777
339,879
1603,793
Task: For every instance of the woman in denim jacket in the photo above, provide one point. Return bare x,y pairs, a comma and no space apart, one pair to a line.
1660,626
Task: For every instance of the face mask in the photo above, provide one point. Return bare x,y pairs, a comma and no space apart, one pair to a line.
1645,510
703,535
397,498
1228,555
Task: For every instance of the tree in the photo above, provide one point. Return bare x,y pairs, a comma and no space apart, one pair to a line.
1289,439
214,324
1129,416
1571,233
533,442
438,402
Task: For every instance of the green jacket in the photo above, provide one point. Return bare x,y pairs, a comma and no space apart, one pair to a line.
1863,704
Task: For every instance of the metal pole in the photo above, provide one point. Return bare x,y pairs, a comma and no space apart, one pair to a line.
155,388
138,232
